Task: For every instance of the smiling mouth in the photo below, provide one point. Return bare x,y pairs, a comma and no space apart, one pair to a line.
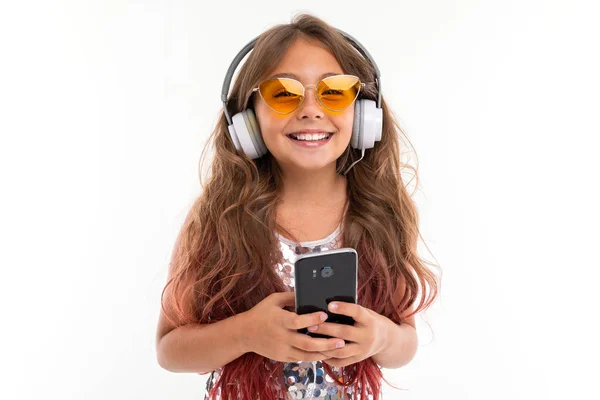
310,137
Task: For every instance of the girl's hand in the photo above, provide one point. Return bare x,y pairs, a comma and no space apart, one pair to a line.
271,331
367,337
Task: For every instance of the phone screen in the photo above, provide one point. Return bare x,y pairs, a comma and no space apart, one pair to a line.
323,277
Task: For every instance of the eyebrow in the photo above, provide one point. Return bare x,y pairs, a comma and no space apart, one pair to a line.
288,75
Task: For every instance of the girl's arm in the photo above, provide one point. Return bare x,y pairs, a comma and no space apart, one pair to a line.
401,346
265,329
402,340
200,348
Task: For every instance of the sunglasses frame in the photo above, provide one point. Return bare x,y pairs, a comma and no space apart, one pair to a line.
257,89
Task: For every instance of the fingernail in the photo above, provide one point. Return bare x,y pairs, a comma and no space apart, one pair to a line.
313,328
324,317
333,306
339,344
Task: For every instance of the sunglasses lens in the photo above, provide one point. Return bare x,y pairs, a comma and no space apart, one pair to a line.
282,94
339,91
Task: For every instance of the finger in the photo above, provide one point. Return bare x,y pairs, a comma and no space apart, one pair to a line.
349,350
308,343
297,355
347,332
343,362
283,299
357,312
295,321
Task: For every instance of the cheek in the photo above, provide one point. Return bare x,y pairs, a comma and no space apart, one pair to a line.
262,119
271,125
344,124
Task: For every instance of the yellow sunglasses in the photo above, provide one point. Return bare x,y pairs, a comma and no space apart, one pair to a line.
335,93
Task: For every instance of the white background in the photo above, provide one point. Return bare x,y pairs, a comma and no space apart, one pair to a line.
105,107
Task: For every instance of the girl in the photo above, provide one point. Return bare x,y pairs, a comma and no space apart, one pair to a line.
293,172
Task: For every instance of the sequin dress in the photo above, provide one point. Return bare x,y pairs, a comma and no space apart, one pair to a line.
303,380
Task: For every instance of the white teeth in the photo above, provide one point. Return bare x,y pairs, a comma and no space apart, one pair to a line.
308,136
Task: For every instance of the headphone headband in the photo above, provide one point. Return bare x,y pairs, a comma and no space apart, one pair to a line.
250,45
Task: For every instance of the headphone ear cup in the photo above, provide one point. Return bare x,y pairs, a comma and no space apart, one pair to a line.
234,136
245,133
255,134
371,124
356,125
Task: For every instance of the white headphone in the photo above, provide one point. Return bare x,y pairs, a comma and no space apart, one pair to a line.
245,133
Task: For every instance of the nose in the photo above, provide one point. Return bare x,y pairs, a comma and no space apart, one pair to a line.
310,107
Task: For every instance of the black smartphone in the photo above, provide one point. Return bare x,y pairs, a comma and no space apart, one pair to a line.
323,277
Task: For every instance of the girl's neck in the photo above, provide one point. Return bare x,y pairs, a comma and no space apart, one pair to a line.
313,189
313,204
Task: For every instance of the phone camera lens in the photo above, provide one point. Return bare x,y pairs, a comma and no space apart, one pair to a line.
326,272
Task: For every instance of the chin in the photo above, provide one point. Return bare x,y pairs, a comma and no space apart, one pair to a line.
313,166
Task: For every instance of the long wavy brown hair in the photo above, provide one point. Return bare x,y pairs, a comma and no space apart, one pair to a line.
223,263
